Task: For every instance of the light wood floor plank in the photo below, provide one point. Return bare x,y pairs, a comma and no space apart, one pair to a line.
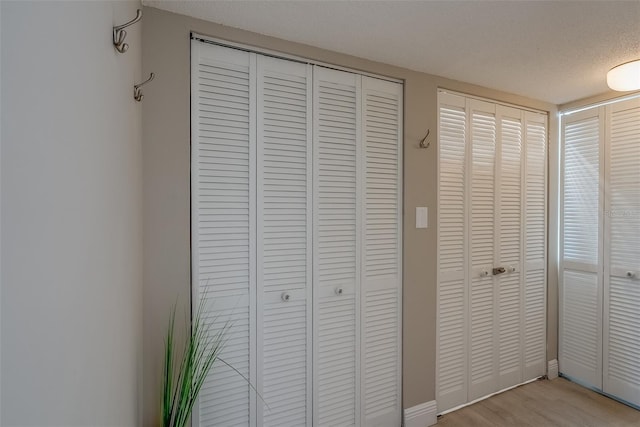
544,403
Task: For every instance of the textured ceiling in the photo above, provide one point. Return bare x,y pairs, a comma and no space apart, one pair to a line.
555,51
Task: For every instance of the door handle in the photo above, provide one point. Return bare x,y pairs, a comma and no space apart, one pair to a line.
498,270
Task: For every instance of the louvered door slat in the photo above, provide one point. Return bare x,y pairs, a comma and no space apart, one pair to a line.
535,244
223,229
284,242
509,284
482,380
336,231
381,278
621,366
451,386
580,352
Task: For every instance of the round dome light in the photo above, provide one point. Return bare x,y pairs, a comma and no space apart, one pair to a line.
625,77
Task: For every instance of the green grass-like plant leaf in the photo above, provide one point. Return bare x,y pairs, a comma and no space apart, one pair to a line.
180,389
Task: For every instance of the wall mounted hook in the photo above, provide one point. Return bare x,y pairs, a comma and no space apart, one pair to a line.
137,91
119,34
422,141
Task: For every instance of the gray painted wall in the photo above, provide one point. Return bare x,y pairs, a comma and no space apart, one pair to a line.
71,216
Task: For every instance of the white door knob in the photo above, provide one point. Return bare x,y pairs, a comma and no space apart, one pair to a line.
338,291
285,296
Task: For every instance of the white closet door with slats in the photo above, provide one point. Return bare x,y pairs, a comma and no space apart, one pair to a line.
483,226
336,242
284,230
621,340
509,239
223,224
535,244
580,352
491,216
451,355
381,252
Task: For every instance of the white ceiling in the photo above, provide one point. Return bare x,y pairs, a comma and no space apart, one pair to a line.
555,51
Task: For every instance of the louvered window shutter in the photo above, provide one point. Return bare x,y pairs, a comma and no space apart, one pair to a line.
284,336
621,341
337,145
535,244
580,354
452,261
223,222
381,250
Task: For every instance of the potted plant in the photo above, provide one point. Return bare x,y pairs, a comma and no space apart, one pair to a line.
183,377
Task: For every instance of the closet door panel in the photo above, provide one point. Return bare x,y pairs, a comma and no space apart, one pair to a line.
451,382
336,239
621,367
491,215
535,244
482,240
509,247
223,224
581,270
284,242
381,250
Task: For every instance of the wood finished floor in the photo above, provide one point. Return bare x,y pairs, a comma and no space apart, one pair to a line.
544,403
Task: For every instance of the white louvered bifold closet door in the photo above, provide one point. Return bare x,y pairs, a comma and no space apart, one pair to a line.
337,206
284,264
492,216
482,243
296,184
451,389
580,351
223,223
621,329
381,250
509,244
535,245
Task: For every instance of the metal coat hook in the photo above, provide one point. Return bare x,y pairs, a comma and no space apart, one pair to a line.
422,141
119,34
137,92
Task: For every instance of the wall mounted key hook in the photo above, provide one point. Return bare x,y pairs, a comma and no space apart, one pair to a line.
119,34
137,91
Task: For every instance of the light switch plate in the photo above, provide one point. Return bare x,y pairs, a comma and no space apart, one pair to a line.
422,217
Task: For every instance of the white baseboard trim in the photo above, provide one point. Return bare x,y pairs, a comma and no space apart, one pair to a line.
552,369
422,415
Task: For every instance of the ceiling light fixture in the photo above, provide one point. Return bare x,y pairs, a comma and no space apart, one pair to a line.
625,76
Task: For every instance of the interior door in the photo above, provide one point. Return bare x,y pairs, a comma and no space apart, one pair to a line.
621,340
483,299
382,253
284,264
223,198
581,269
509,247
337,254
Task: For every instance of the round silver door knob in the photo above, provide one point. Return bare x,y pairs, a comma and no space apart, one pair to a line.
338,291
631,274
285,297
